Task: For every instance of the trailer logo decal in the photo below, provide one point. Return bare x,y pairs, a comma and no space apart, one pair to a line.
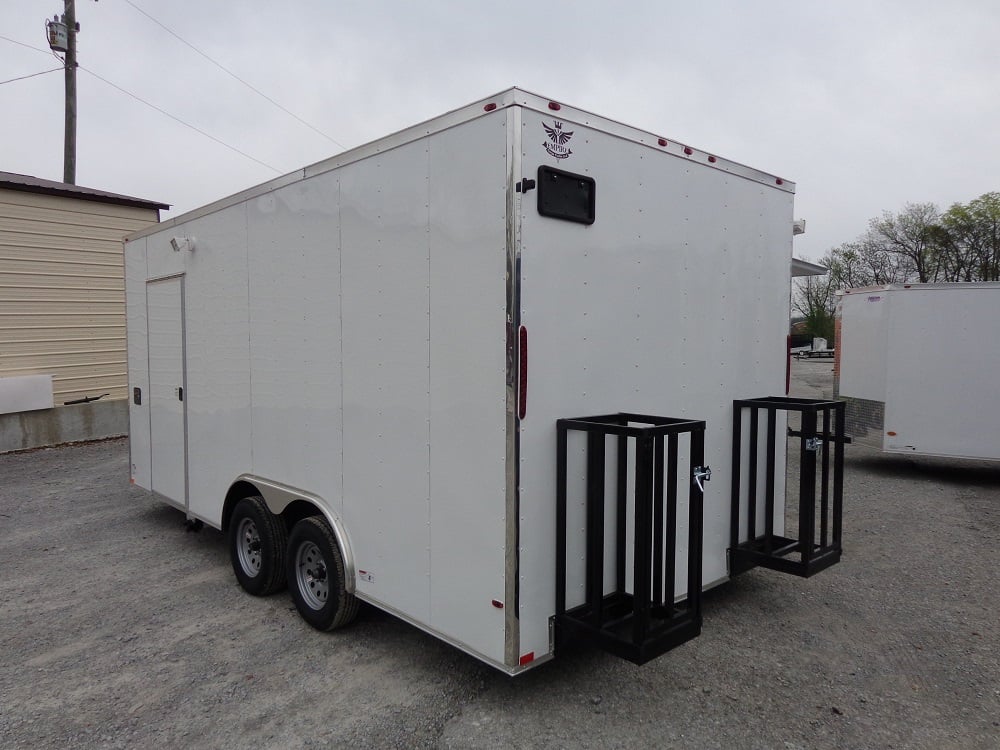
558,138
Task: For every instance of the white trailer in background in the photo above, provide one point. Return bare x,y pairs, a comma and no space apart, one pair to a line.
917,366
356,370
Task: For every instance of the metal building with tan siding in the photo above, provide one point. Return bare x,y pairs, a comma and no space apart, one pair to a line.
62,310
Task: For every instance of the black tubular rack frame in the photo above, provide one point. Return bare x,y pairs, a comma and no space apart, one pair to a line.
822,426
642,625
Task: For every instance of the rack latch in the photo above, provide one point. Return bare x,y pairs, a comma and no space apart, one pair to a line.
702,474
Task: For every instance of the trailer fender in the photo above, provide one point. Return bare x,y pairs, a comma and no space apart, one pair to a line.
279,496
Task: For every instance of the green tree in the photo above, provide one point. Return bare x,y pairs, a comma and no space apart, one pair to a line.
968,238
815,300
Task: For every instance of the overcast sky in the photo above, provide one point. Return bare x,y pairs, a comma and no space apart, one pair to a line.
865,105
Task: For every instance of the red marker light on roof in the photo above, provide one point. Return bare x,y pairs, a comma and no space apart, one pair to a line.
555,106
688,151
779,181
489,107
662,141
712,159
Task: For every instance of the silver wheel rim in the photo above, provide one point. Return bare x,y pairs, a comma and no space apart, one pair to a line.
248,547
311,575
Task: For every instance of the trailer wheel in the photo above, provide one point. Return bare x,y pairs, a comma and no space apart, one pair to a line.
315,569
257,540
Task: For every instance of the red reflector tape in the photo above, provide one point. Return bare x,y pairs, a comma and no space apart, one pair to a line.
522,386
527,658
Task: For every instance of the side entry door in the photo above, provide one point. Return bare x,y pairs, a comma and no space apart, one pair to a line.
167,411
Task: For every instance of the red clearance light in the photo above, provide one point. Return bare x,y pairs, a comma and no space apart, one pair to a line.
779,181
712,159
489,107
555,106
527,658
522,391
497,603
688,151
906,286
890,433
662,141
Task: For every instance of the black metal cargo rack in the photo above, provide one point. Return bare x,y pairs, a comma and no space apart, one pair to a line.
645,623
822,426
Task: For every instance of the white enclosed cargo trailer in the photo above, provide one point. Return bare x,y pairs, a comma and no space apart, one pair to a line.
917,365
367,373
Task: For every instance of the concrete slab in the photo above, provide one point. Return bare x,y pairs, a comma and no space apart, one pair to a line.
63,424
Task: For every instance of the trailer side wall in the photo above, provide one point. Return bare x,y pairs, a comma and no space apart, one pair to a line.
345,335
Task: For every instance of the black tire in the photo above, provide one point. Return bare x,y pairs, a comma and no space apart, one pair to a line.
257,543
315,575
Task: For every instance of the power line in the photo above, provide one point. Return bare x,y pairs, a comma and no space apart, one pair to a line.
177,119
226,70
21,78
22,44
148,104
36,49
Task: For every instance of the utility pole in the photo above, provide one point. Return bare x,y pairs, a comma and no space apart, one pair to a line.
62,38
69,143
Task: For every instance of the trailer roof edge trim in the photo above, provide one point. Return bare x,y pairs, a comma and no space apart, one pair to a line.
918,285
481,108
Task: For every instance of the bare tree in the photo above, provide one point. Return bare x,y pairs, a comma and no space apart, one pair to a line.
849,266
911,236
864,262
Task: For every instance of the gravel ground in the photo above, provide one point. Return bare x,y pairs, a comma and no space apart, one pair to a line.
121,630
